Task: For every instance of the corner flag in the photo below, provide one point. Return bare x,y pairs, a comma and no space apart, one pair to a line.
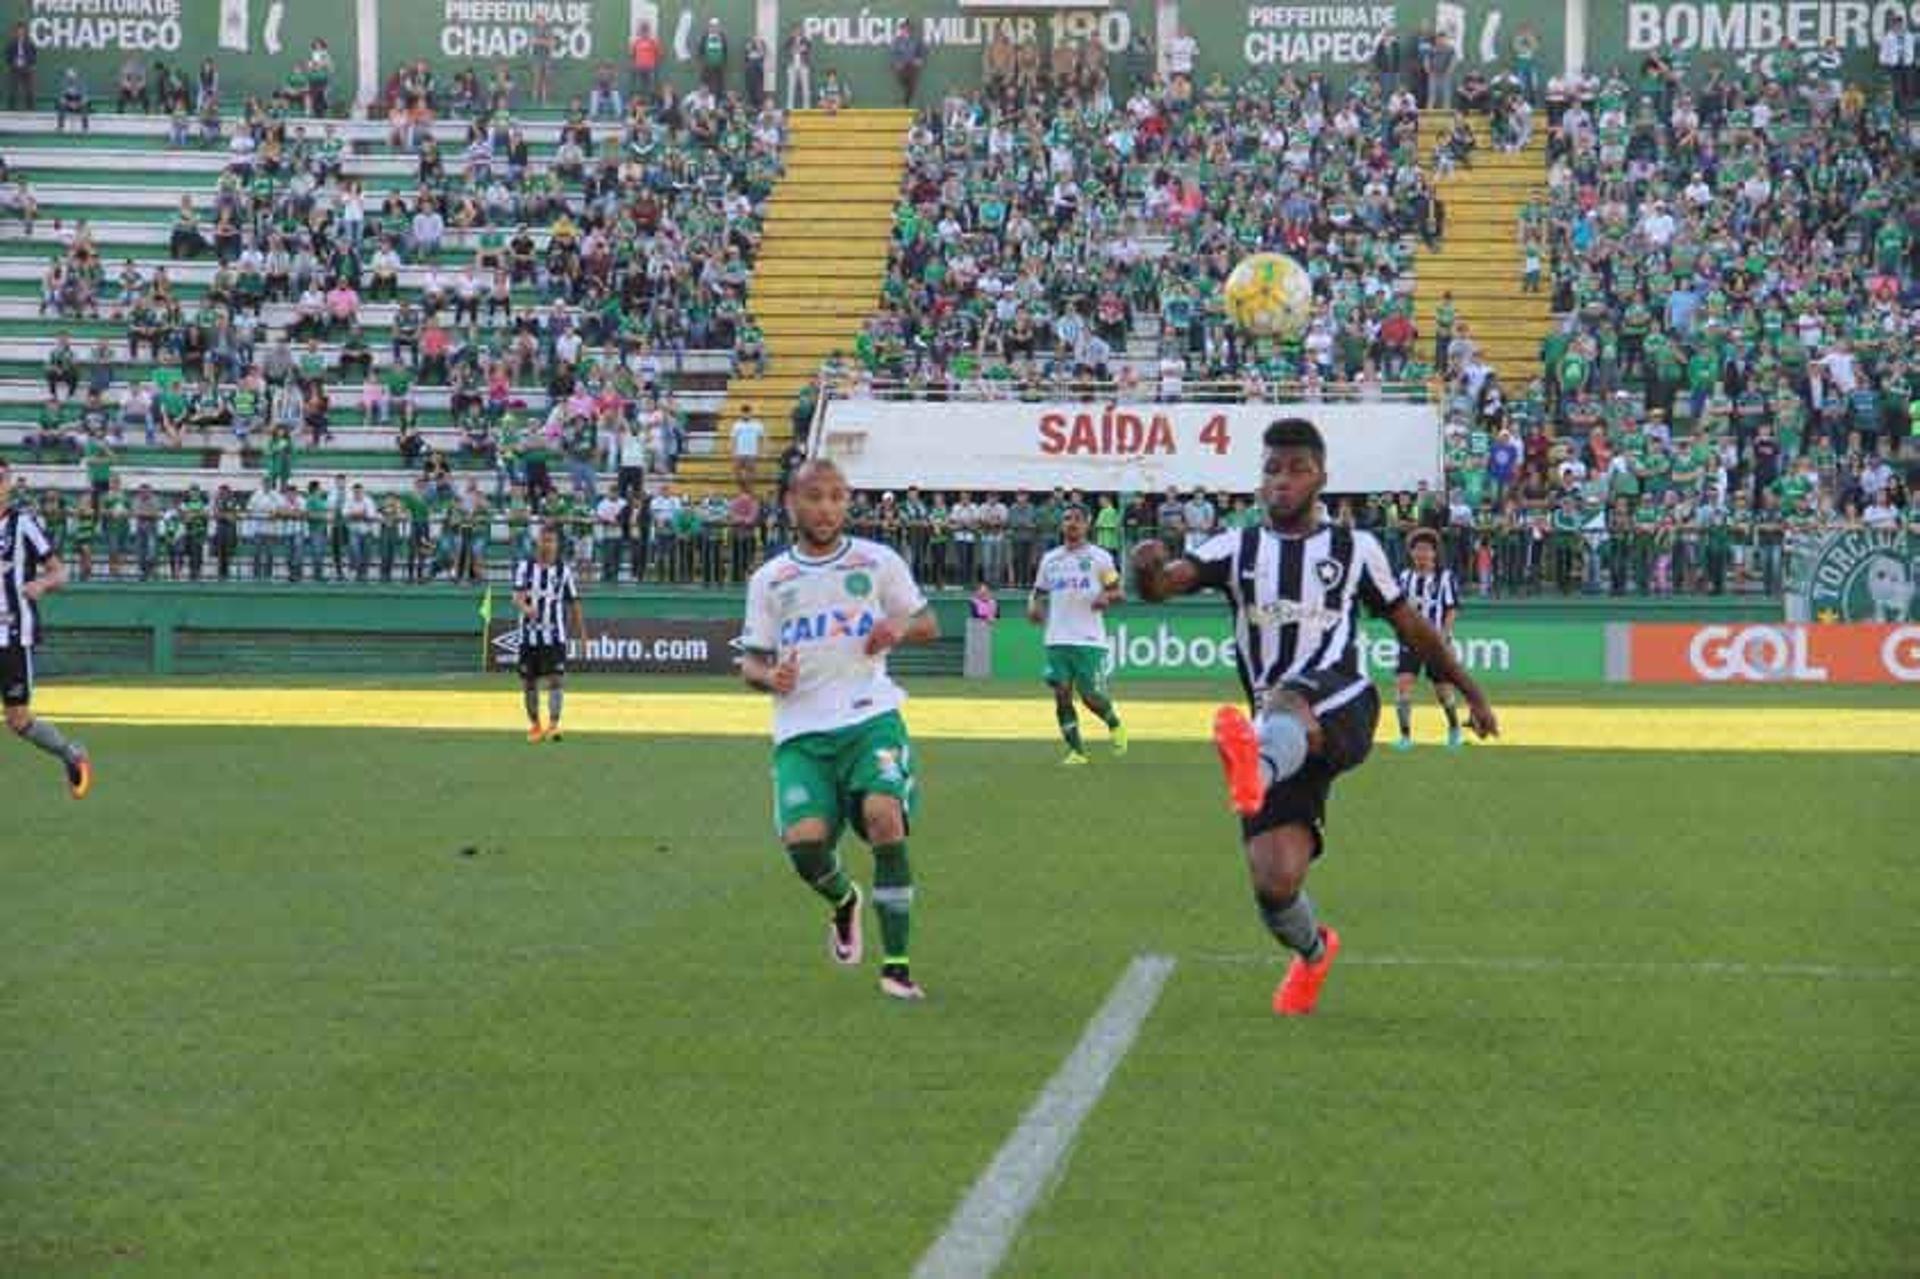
486,622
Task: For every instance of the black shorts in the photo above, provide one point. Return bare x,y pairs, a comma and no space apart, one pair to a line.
1348,709
540,661
16,675
1410,664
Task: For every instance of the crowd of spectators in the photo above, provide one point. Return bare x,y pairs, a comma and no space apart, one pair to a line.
1053,230
1735,272
548,292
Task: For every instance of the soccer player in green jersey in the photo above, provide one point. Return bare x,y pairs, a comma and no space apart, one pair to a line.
821,617
1076,584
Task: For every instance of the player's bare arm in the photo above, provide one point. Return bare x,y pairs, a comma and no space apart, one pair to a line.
1438,654
762,672
891,632
1161,577
579,619
524,602
51,577
1037,606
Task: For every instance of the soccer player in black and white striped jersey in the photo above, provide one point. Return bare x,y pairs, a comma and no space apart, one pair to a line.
548,598
1296,586
1431,591
28,571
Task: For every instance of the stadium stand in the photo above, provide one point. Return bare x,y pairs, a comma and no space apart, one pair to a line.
1671,315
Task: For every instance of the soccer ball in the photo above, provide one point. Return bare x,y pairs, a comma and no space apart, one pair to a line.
1270,295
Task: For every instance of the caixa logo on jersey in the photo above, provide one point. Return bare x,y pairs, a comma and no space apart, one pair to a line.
827,624
1865,575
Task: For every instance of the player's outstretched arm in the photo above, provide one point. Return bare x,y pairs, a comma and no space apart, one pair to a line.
1417,635
1159,576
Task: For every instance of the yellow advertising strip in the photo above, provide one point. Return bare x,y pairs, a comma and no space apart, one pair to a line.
1691,729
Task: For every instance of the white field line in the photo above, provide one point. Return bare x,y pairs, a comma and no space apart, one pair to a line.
1618,967
985,1224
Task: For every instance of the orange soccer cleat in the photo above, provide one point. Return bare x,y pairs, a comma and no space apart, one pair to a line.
1299,991
1239,748
534,733
79,773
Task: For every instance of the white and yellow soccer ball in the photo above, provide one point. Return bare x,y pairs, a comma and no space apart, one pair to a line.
1270,295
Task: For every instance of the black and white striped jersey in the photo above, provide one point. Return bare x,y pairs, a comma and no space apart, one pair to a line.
1433,595
550,589
24,547
1296,602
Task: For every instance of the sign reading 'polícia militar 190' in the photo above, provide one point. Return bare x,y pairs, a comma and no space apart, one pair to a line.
1865,575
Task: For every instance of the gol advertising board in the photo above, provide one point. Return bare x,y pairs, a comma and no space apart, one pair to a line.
1147,643
1749,34
1835,653
634,645
1237,37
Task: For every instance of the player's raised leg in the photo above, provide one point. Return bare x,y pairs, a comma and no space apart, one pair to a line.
884,819
1299,756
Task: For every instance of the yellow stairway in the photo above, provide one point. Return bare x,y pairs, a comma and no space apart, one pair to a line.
1480,259
817,279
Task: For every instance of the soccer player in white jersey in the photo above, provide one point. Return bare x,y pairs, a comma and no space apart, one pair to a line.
1296,586
1431,591
1076,584
821,617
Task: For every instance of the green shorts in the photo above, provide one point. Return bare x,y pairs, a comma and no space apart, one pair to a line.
1077,666
827,775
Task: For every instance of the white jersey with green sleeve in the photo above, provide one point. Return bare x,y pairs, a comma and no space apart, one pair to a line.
1070,578
820,612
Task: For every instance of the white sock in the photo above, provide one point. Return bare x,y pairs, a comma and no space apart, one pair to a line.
1283,746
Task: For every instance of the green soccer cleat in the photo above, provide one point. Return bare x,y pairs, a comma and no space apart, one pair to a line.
1074,759
1119,739
1404,745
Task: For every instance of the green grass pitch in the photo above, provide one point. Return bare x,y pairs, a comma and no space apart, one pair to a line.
261,1016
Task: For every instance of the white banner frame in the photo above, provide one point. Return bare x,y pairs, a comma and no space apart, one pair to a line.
1106,447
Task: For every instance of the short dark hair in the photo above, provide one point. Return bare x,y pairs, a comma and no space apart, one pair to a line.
1424,535
1295,433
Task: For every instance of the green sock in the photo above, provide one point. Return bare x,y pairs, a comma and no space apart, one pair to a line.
815,862
1104,709
1070,729
893,899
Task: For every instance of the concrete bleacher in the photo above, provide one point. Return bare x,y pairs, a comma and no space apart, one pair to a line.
124,182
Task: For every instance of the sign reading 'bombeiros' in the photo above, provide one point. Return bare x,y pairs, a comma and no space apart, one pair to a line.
1313,34
505,28
81,25
1753,30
